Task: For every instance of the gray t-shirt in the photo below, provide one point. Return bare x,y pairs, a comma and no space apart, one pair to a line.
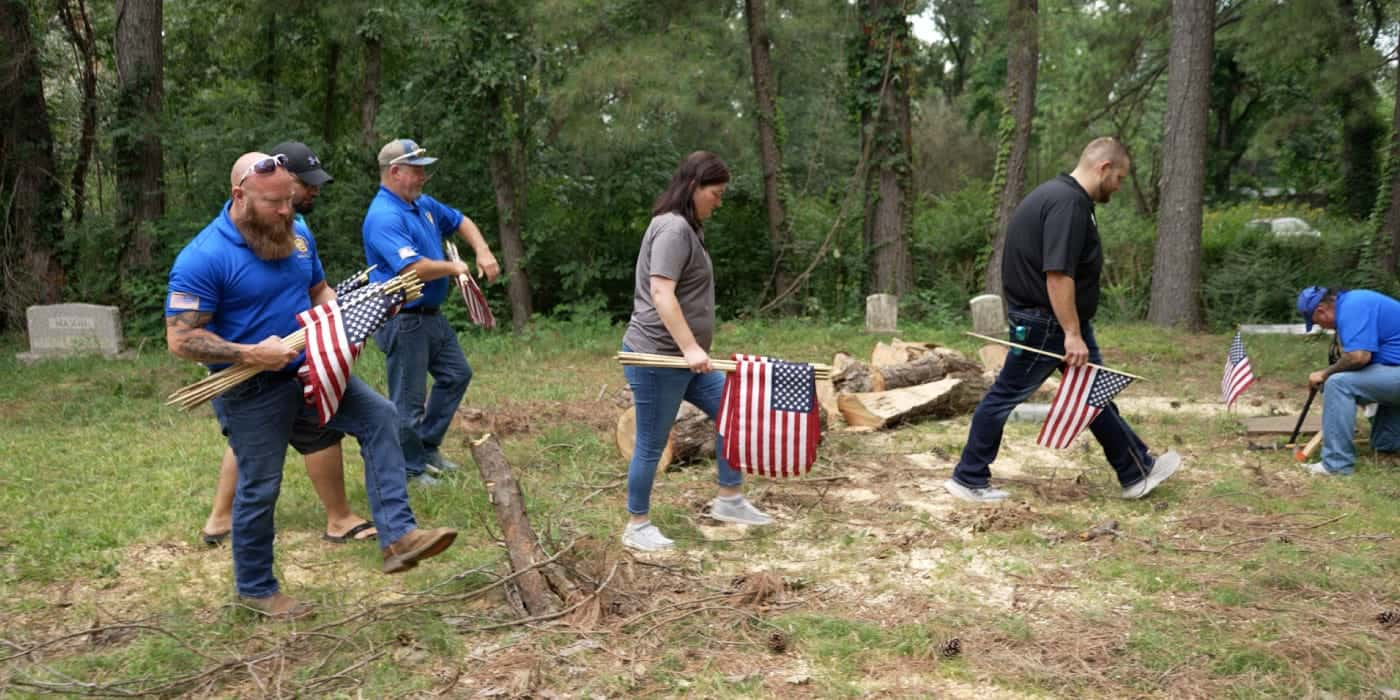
673,250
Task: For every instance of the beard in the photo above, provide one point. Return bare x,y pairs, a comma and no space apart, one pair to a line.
269,239
303,206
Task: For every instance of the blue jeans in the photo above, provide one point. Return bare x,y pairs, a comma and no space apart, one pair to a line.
657,393
416,345
1022,374
258,417
1378,384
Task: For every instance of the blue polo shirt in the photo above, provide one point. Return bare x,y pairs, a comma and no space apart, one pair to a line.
250,298
1368,320
398,233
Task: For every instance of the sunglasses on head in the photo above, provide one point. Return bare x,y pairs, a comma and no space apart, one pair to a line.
408,156
264,166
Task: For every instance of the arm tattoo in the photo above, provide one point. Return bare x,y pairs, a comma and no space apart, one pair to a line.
1348,362
192,342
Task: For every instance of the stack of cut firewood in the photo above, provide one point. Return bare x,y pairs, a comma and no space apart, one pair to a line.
903,381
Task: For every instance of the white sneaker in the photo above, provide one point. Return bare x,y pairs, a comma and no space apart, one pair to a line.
738,510
1321,470
645,537
424,479
986,495
437,461
1164,467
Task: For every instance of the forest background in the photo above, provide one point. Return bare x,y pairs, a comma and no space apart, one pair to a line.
868,156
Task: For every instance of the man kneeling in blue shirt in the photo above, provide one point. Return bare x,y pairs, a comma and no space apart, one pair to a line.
234,294
1368,328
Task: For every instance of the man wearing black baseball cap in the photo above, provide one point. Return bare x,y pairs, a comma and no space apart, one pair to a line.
324,466
1368,329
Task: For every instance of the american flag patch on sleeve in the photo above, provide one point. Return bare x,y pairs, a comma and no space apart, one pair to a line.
181,300
407,252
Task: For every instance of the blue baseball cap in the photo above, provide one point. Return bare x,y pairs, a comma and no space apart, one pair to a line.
404,152
1308,299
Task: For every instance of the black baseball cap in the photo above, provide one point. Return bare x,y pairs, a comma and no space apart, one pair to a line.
303,163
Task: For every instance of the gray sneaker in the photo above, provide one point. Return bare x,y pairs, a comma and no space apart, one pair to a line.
645,537
986,495
1164,467
424,479
738,511
437,461
1319,469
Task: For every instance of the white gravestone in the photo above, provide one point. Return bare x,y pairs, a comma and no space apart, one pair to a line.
988,316
66,329
881,313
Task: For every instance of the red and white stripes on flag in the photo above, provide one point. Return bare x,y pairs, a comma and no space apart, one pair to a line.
477,308
1238,374
329,358
769,418
1084,392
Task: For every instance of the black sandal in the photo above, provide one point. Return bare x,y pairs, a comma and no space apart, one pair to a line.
349,535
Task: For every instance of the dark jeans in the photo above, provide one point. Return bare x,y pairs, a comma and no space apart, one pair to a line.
259,417
1023,373
416,345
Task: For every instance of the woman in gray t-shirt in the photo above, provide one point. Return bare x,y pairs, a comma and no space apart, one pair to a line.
673,313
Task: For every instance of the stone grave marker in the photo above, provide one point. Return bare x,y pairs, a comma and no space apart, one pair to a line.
59,330
988,316
881,313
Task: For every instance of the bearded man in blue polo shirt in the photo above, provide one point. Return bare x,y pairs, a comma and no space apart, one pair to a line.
1368,328
234,294
403,230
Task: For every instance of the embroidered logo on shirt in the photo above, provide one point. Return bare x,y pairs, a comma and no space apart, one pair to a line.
300,244
407,252
181,300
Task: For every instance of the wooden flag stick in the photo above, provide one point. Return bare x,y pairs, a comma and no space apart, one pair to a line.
1048,354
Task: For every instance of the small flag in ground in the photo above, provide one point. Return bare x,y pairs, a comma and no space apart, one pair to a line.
1238,374
335,334
1084,392
769,417
477,308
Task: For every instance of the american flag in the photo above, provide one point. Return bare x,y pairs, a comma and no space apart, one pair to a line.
1084,392
353,283
335,334
769,417
477,308
1238,374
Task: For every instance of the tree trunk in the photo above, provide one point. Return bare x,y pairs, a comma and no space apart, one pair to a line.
328,109
543,589
1355,96
770,154
1176,264
136,143
888,208
79,28
508,179
1022,70
1390,229
369,95
30,197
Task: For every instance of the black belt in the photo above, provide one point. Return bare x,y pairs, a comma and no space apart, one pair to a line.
420,310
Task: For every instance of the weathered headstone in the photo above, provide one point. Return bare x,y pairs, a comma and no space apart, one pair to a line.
881,313
988,316
58,330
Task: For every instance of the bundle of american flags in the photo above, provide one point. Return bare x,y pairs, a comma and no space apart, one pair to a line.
477,308
769,417
335,335
1083,394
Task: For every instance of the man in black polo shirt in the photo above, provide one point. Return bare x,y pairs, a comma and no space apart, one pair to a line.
1050,279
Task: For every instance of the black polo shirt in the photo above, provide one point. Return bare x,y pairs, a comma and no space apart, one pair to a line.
1053,230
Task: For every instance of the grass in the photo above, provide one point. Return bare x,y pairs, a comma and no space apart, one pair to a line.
1241,577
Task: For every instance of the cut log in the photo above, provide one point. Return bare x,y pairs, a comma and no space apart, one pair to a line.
993,358
941,399
626,436
855,377
543,589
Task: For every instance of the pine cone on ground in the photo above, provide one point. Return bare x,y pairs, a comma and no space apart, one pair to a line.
777,642
950,648
1389,618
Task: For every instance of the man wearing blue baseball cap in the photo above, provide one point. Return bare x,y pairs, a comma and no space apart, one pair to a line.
403,230
1368,328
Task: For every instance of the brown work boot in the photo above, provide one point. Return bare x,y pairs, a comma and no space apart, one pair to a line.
407,551
278,607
